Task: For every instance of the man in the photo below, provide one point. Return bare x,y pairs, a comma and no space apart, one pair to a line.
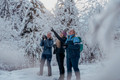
60,51
46,43
73,54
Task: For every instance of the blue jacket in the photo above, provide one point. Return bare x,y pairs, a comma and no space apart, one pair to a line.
73,46
47,46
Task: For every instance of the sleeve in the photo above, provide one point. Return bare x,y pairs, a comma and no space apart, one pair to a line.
49,43
58,37
76,40
42,43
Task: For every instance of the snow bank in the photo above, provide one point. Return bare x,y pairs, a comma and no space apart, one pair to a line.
87,72
11,57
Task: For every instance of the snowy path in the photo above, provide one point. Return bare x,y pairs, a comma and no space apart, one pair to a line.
87,73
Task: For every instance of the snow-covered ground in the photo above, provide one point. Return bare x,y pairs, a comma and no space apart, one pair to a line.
88,72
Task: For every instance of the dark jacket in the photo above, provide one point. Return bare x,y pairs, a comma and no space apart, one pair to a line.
47,46
62,42
73,47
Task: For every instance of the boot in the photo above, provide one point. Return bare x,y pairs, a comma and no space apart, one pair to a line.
61,77
69,76
77,75
49,73
49,69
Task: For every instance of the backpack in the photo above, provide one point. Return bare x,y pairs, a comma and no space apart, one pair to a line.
81,44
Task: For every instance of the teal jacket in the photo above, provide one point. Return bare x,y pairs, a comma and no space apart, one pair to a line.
73,46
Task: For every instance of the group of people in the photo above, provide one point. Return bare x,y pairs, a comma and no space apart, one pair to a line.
69,43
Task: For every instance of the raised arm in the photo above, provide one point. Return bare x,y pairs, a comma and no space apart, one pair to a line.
57,35
42,42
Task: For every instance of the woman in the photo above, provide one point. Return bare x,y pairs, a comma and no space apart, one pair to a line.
46,43
60,52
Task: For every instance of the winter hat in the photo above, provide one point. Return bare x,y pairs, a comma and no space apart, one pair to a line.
64,33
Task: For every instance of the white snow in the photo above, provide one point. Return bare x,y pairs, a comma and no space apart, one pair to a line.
11,57
88,72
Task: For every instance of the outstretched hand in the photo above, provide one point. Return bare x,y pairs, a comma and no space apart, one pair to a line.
52,29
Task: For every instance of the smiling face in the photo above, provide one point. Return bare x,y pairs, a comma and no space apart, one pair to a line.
71,32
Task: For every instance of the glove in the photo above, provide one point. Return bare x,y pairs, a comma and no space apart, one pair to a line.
65,46
54,46
52,30
43,37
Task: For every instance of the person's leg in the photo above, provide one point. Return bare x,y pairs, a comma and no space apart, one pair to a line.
42,64
77,75
61,66
62,63
49,65
58,61
75,62
69,69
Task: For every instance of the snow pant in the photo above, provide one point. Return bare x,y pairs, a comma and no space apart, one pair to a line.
48,58
60,60
73,62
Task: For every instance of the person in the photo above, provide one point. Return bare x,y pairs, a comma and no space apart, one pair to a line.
73,54
46,43
60,51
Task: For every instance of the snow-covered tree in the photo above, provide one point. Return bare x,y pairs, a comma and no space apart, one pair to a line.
18,10
14,12
87,10
66,14
4,9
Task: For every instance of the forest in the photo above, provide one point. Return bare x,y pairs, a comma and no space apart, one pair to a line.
24,22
